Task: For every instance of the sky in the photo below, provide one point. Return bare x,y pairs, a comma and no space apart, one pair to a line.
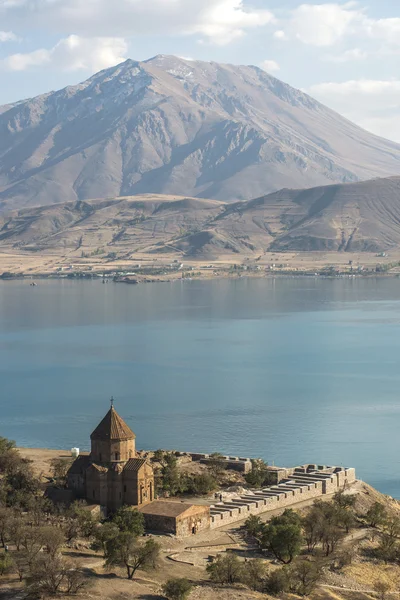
345,54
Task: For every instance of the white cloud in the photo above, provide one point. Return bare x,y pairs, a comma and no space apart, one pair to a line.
8,36
328,24
271,66
322,24
72,54
217,21
373,104
353,54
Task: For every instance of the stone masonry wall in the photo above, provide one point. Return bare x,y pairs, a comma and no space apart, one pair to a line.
299,487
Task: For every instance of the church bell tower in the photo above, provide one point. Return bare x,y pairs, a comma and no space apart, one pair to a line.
112,442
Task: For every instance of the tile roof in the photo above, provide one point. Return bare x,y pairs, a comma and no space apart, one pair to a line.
79,465
112,427
165,508
134,464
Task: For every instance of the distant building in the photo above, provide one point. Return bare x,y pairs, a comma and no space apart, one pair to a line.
112,475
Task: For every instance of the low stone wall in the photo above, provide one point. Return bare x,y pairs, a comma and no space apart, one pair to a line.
236,463
300,486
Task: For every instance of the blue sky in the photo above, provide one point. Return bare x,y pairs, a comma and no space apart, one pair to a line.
346,54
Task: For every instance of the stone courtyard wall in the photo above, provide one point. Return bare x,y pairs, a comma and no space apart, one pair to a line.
299,487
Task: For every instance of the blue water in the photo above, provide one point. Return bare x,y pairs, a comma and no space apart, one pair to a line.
291,370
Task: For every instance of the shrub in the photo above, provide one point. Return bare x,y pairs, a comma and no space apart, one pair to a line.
177,589
226,568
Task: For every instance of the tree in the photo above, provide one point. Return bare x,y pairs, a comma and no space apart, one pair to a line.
59,469
388,548
259,475
31,542
74,578
216,464
254,573
46,575
376,515
21,566
126,551
283,536
177,589
6,563
5,518
303,576
344,500
52,539
330,537
201,484
170,478
103,534
254,526
312,527
129,520
226,568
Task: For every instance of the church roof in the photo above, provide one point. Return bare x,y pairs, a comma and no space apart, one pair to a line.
112,427
134,464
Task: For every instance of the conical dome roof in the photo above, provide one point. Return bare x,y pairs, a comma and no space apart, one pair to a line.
112,427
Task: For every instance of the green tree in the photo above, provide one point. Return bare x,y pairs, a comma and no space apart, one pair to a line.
283,536
103,534
259,475
254,526
304,576
129,520
226,568
6,563
125,550
177,589
254,573
376,515
201,484
344,500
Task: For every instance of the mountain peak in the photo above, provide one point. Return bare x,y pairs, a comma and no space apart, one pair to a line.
176,126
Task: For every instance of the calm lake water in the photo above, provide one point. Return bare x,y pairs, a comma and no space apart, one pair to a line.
291,370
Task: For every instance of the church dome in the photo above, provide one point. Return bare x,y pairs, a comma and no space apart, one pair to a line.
112,427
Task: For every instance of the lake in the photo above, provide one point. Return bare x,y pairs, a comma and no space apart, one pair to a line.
292,370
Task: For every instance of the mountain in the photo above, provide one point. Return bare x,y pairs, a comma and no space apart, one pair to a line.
173,126
353,217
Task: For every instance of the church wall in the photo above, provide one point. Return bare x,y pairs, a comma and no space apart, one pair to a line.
194,520
138,486
104,451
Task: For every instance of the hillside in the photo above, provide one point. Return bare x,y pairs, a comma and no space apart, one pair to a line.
355,217
172,126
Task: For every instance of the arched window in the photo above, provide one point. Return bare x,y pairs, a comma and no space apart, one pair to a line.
117,456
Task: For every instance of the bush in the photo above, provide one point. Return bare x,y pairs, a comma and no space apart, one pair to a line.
259,474
226,568
253,574
177,589
201,484
277,582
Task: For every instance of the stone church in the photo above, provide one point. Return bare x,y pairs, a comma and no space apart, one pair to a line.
112,475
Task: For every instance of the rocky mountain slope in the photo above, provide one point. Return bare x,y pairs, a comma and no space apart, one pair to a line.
172,126
362,216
